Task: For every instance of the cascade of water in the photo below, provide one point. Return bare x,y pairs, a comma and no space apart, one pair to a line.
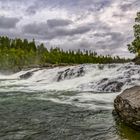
93,77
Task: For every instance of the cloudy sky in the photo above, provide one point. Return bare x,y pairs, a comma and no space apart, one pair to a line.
104,26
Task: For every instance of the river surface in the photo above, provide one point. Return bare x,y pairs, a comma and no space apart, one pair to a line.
66,103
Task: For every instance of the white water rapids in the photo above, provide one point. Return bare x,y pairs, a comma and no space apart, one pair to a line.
93,83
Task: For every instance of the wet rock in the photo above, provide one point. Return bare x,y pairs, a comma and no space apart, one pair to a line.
59,78
103,80
106,85
70,73
127,106
101,67
111,66
75,100
113,86
81,72
26,75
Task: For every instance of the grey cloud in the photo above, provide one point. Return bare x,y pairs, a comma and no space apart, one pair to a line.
70,5
8,22
46,32
45,27
115,42
58,22
82,44
135,4
125,7
114,35
37,29
71,32
11,1
31,10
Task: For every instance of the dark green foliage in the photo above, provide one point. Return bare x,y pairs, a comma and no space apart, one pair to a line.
134,47
16,54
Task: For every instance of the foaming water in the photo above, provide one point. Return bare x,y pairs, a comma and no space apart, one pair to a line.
73,102
99,82
98,78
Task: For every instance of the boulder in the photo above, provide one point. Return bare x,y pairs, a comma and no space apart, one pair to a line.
127,106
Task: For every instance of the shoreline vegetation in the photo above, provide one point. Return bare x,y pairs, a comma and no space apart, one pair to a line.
17,54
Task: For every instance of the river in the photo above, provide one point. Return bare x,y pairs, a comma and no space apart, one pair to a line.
65,103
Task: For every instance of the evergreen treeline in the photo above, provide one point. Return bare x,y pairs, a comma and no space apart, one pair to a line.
16,54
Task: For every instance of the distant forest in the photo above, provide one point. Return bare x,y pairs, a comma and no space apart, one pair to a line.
16,54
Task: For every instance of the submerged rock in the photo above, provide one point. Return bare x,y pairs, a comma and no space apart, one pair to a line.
127,106
26,75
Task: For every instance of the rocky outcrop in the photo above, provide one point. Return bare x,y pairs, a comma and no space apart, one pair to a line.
127,106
